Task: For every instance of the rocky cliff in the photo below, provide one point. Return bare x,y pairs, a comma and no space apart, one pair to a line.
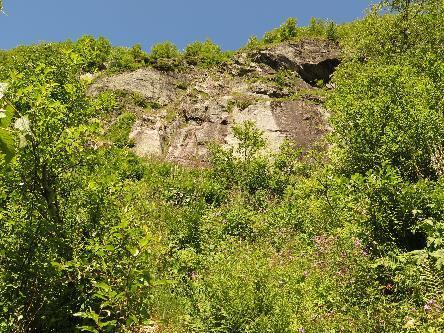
279,88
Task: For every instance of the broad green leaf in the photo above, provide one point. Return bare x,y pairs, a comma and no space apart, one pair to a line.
6,144
439,257
103,286
6,116
134,251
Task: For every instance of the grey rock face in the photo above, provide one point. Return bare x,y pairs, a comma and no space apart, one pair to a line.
150,83
312,59
273,87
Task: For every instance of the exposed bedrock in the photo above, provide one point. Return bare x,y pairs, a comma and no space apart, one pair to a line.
274,88
313,60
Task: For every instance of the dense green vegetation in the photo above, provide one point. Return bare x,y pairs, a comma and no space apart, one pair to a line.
290,31
95,239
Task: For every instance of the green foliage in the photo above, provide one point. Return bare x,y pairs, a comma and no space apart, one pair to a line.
138,54
287,31
250,139
394,210
402,6
389,108
6,135
387,119
322,28
394,37
93,52
87,55
384,115
124,59
243,167
204,54
331,31
57,206
105,103
165,56
119,130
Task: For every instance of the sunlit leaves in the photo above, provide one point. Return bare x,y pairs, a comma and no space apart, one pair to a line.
388,114
6,115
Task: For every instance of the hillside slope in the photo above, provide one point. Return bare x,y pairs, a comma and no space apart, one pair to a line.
106,225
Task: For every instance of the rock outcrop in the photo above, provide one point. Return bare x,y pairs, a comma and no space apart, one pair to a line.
313,60
273,87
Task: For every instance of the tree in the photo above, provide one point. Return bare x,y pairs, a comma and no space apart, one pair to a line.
407,9
401,5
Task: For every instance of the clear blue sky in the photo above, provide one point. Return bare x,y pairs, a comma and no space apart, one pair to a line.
227,22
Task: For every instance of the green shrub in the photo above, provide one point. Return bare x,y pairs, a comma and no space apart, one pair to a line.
393,209
140,56
393,37
320,28
316,27
93,53
218,307
245,167
386,114
105,103
165,56
123,59
204,54
253,43
250,138
119,131
287,31
63,223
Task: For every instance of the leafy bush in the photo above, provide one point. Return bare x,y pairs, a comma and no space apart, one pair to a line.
140,56
393,37
165,56
123,59
93,52
322,28
7,143
386,114
61,221
218,305
388,128
245,167
393,209
287,31
119,131
204,54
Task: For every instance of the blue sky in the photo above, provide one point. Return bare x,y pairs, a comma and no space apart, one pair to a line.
227,22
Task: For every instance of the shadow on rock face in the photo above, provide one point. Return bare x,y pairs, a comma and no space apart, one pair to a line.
311,73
